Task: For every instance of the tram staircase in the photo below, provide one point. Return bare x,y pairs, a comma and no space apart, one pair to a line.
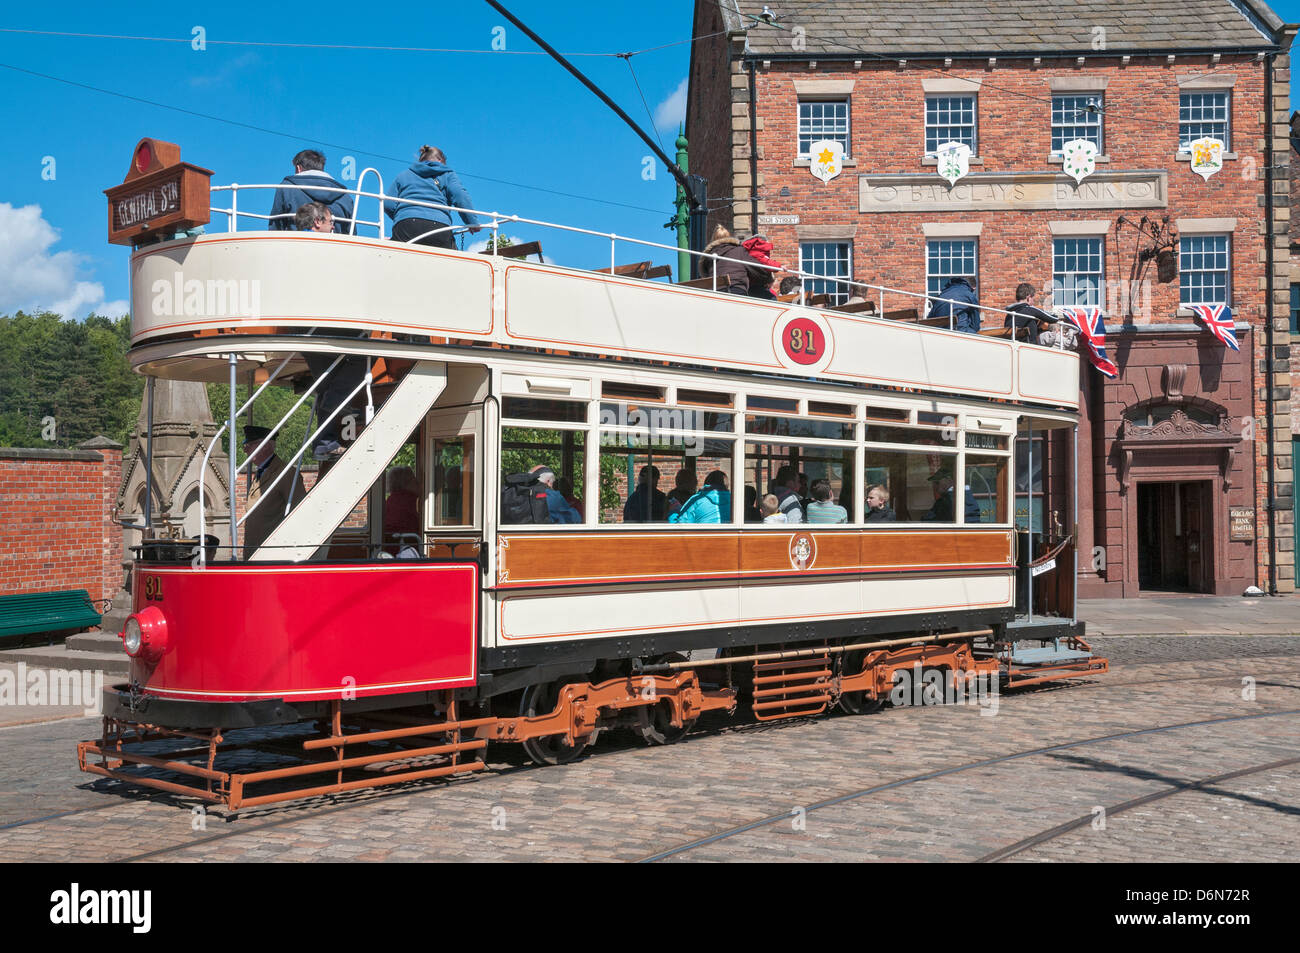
309,525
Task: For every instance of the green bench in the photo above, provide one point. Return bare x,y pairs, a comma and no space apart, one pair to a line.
35,612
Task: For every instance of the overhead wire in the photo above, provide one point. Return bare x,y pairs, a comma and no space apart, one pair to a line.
301,138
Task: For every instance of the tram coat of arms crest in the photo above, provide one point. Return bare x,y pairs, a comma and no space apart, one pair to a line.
827,159
1207,156
1079,159
954,160
803,551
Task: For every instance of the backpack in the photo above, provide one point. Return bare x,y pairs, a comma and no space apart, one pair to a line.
523,500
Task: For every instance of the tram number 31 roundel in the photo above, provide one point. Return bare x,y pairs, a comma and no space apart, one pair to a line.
802,343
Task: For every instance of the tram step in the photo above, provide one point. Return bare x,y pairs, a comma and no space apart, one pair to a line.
791,688
60,657
1047,654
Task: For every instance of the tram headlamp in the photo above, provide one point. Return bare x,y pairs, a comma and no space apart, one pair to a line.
132,636
145,634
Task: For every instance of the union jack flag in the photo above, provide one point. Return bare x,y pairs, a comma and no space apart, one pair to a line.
1218,318
1092,327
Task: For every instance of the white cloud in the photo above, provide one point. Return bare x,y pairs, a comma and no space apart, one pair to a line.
671,113
32,278
225,72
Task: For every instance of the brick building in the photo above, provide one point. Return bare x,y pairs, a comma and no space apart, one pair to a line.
1186,481
56,519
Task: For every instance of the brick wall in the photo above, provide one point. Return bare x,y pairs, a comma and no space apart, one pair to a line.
1141,98
56,528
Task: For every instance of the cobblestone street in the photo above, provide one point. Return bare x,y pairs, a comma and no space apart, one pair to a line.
915,784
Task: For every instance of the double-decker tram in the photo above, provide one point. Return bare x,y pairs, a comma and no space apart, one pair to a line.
434,592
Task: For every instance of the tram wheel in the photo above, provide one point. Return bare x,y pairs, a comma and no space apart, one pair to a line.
857,703
654,722
540,700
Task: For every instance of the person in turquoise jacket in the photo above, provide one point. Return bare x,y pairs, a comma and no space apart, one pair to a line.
711,505
429,179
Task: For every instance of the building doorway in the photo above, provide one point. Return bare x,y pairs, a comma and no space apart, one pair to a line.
1175,537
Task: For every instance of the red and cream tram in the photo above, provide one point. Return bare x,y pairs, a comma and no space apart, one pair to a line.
481,366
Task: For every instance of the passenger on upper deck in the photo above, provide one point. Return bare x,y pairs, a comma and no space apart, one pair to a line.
429,179
1034,321
958,299
711,505
792,284
821,509
314,217
310,183
785,489
264,470
737,268
646,504
760,280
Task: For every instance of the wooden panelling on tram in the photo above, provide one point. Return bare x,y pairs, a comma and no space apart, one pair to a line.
587,558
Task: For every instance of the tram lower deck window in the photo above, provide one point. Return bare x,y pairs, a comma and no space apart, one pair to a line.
652,483
564,451
919,486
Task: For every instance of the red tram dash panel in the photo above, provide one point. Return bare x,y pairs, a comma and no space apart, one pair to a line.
310,632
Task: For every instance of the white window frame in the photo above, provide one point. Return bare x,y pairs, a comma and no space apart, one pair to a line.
1059,286
940,140
837,297
945,239
846,101
1183,142
1226,270
1100,139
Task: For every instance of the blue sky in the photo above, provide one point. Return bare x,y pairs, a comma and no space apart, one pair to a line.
500,117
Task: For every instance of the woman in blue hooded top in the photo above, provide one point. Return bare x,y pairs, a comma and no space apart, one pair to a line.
711,505
428,180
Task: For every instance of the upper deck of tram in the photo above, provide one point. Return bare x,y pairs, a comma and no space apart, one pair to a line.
196,300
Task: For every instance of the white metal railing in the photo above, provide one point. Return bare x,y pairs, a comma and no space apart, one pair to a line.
497,219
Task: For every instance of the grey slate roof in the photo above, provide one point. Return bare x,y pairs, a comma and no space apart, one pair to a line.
988,27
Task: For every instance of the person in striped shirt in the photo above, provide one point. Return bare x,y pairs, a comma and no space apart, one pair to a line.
821,509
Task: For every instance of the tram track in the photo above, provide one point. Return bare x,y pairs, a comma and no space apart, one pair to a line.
1184,787
394,795
769,820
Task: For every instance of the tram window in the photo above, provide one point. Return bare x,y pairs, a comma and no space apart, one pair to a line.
453,482
799,427
764,461
830,410
706,397
919,484
523,448
938,437
673,473
987,478
621,390
537,408
893,414
780,405
641,425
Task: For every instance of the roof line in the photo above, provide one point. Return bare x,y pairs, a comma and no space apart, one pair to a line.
1260,16
1112,53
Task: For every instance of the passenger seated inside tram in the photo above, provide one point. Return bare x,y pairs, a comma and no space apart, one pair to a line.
821,509
712,504
771,510
646,504
752,513
683,491
943,510
878,508
564,487
314,217
556,505
785,488
401,509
